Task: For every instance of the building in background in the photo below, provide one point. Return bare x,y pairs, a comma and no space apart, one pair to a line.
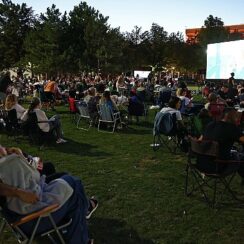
192,34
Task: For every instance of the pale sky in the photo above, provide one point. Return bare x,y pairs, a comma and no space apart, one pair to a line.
173,15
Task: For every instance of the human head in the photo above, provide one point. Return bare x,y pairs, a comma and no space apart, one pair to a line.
106,95
212,98
35,103
232,74
91,91
225,88
180,92
230,115
174,102
10,101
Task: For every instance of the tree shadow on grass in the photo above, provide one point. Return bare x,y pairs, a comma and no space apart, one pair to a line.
110,231
80,149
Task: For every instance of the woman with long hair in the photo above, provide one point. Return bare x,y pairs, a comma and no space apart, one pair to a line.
52,125
106,99
11,102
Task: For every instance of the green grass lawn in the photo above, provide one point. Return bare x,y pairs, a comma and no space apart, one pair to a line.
140,192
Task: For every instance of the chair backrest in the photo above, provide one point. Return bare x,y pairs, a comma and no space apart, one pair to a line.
32,124
12,116
216,110
72,105
11,121
183,106
206,153
135,108
205,147
82,108
105,112
165,124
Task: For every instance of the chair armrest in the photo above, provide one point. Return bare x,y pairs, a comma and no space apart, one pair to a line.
228,161
35,215
44,121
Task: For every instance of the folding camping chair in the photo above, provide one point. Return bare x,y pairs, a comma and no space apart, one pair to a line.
106,115
38,216
165,132
83,113
33,131
13,125
205,172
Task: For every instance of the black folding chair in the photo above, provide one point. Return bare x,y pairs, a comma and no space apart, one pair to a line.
13,125
165,132
206,173
33,131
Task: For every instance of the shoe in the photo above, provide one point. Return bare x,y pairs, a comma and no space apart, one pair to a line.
60,141
91,209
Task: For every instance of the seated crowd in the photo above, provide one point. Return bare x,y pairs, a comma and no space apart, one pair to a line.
219,118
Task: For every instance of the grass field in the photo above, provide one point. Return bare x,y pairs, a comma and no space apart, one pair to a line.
140,192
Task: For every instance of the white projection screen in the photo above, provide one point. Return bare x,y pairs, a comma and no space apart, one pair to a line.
224,58
141,74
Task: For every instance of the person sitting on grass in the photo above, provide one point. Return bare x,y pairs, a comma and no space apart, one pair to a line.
47,125
25,191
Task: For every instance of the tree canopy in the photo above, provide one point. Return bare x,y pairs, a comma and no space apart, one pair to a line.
56,43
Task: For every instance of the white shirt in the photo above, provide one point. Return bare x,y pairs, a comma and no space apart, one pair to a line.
172,111
41,117
186,99
19,110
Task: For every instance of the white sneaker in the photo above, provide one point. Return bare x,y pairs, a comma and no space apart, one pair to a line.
60,140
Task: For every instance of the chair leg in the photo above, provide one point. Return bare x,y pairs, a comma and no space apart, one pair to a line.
98,126
200,186
2,226
34,231
78,122
56,229
186,181
214,194
114,126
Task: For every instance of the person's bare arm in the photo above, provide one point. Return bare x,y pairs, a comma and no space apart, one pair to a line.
241,139
25,196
